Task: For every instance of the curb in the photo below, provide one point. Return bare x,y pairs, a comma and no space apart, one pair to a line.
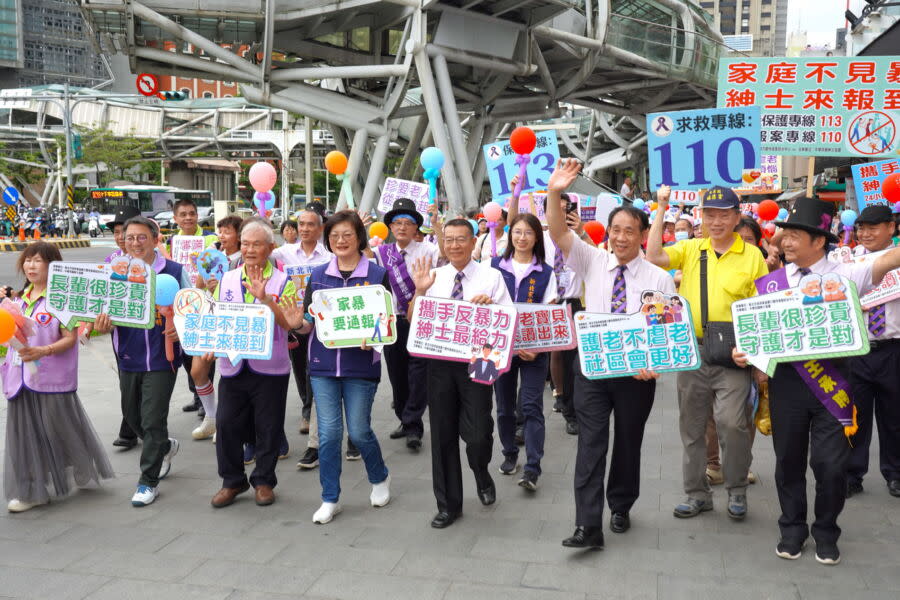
19,246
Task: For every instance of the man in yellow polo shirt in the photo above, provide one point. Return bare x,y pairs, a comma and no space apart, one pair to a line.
731,268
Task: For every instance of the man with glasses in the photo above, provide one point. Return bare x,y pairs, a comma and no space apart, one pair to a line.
726,268
457,406
407,373
146,376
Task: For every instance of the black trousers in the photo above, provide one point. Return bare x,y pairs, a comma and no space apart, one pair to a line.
457,408
875,379
250,400
299,357
802,426
188,361
408,380
570,367
595,400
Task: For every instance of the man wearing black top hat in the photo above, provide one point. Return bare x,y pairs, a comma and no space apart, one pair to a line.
407,373
127,437
800,422
875,378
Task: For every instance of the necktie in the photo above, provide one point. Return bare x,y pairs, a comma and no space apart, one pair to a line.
804,271
457,293
619,298
559,263
876,320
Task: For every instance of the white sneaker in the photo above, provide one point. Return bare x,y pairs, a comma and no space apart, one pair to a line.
167,459
144,495
206,430
214,438
326,512
17,506
381,492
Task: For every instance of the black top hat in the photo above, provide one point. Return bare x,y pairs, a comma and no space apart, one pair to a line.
123,214
403,206
811,215
878,213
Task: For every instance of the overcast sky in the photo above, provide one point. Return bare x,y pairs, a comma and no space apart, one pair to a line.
819,18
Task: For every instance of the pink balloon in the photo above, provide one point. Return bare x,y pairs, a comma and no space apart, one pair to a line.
492,212
262,176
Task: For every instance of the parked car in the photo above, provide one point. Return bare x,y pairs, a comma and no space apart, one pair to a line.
165,219
206,217
277,217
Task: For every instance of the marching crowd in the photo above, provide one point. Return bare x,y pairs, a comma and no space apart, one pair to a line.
51,443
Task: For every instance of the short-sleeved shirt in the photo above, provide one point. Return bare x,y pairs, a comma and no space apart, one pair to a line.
483,247
891,312
293,254
730,277
289,289
598,267
478,278
567,277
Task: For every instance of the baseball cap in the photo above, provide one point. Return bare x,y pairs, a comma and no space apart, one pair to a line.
875,214
720,197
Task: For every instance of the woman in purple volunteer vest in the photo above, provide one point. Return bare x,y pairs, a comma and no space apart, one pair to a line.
49,437
344,380
529,280
253,393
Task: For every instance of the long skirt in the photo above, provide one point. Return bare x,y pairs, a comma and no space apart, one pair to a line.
50,445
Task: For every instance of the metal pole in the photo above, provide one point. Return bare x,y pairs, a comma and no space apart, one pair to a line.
68,126
376,167
308,174
61,192
412,148
357,150
451,117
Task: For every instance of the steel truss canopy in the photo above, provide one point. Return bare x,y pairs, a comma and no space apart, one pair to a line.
450,73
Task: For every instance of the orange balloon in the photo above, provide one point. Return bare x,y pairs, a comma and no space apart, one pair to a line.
379,230
7,326
595,230
653,205
336,162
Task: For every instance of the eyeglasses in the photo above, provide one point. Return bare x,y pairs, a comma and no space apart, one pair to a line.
451,241
344,237
140,238
526,233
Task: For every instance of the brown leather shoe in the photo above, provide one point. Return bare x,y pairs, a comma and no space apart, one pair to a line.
265,495
226,496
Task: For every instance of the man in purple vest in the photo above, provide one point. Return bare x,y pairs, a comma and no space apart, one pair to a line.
253,391
146,376
407,373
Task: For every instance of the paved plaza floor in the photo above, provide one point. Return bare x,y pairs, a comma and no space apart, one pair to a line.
94,544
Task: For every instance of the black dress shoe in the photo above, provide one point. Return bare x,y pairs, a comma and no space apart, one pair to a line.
127,443
398,433
619,522
192,406
488,493
572,427
854,489
444,519
585,537
894,487
414,441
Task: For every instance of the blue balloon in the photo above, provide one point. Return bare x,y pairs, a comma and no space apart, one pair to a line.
264,199
474,225
166,288
432,158
782,214
639,204
848,217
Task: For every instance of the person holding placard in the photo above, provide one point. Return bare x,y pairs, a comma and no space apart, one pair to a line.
344,380
458,406
801,421
49,437
253,393
528,280
614,281
146,376
407,373
876,377
716,271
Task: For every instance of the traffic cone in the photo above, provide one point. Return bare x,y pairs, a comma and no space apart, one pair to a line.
37,233
21,234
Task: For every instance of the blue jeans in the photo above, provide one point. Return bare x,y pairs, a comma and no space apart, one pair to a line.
355,396
531,391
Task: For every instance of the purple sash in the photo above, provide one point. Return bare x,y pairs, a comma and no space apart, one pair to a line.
401,281
821,376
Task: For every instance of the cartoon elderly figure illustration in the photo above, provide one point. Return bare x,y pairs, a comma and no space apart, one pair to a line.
833,287
119,267
137,271
811,287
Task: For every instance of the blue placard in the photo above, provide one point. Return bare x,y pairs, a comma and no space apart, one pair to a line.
501,165
697,149
867,180
11,195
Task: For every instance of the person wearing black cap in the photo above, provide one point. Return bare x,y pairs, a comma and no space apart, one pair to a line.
127,437
716,271
407,373
801,423
875,378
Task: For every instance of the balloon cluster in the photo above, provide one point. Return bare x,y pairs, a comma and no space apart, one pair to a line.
15,328
262,179
432,159
378,232
493,212
522,140
336,164
848,219
166,289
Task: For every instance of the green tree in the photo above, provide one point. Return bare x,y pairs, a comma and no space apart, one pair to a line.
118,154
19,173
